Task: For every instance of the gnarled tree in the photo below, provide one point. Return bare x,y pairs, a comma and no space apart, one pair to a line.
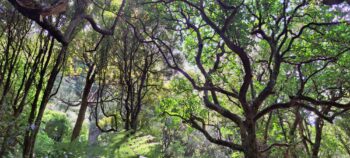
246,54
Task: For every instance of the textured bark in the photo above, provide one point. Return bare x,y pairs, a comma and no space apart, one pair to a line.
250,141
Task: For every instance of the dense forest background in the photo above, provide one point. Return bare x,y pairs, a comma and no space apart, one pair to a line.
174,78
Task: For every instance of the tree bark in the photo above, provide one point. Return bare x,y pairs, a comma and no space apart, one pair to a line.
317,144
33,126
250,141
90,78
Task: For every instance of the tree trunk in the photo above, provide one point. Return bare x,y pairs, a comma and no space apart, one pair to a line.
127,116
249,139
33,127
133,124
90,78
317,144
250,142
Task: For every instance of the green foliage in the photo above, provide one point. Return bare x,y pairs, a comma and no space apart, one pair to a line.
125,145
308,59
56,125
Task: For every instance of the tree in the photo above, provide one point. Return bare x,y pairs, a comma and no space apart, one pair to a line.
15,63
256,78
129,79
25,66
243,52
64,38
89,81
